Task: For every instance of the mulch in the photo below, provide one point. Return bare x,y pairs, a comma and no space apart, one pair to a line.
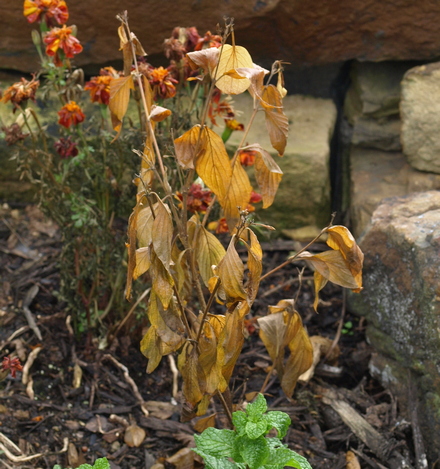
80,398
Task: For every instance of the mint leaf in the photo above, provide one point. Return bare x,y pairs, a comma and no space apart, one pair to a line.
85,466
101,463
254,452
298,461
212,462
279,420
257,409
217,443
254,430
239,419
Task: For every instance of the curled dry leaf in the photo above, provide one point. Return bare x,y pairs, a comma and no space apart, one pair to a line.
321,345
232,57
127,49
159,113
267,173
276,121
204,423
134,436
188,146
205,59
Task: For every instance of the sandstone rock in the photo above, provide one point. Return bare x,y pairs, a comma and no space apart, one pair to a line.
374,90
401,299
376,175
303,197
304,33
381,134
420,112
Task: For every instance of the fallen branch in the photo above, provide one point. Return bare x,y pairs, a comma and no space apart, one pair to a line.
29,362
130,381
30,295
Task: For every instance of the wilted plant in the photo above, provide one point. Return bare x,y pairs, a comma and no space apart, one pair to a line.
187,179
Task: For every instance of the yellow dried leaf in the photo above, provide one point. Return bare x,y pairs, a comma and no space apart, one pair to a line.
127,49
144,225
272,331
142,262
150,348
255,265
340,239
159,113
238,194
352,461
162,280
188,365
231,272
255,75
276,121
232,57
267,173
163,233
213,165
299,361
209,251
188,146
119,98
211,368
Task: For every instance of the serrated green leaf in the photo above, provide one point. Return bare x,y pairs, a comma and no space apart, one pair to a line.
256,429
217,463
101,463
239,419
254,452
298,461
256,409
279,420
217,443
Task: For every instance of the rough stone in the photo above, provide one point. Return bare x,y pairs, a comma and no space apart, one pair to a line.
420,111
303,197
381,134
376,175
375,89
401,300
303,33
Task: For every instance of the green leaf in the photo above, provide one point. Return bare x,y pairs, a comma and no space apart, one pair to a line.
239,419
254,452
279,420
217,443
101,463
257,409
298,461
212,462
256,429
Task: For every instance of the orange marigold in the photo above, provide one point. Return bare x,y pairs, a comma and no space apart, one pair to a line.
247,157
53,11
162,83
61,38
70,114
99,88
21,91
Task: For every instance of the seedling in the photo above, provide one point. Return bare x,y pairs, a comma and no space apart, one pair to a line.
248,446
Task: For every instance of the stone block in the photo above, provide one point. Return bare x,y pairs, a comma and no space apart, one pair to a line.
401,300
303,197
376,175
381,134
420,113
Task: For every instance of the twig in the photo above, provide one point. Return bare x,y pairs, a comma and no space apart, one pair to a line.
419,447
29,362
128,315
6,441
226,408
30,295
130,381
283,285
175,373
15,334
341,322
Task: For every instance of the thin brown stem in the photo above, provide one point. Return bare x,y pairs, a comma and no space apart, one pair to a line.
226,408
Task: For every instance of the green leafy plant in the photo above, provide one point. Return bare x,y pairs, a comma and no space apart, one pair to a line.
101,463
248,446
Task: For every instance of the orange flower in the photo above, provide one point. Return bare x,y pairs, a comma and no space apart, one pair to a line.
99,88
198,199
162,83
233,124
61,38
21,91
70,114
209,40
247,157
53,11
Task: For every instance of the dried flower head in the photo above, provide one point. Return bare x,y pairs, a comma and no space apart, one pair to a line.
247,157
66,148
13,134
21,91
162,83
53,11
99,88
11,364
61,38
198,198
209,40
70,114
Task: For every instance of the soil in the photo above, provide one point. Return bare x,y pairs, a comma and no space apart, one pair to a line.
74,401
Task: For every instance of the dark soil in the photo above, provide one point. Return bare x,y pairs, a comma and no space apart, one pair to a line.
77,401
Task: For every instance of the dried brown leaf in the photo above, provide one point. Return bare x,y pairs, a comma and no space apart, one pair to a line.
276,121
206,59
119,98
188,363
231,273
163,233
204,423
159,113
188,147
142,262
134,436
